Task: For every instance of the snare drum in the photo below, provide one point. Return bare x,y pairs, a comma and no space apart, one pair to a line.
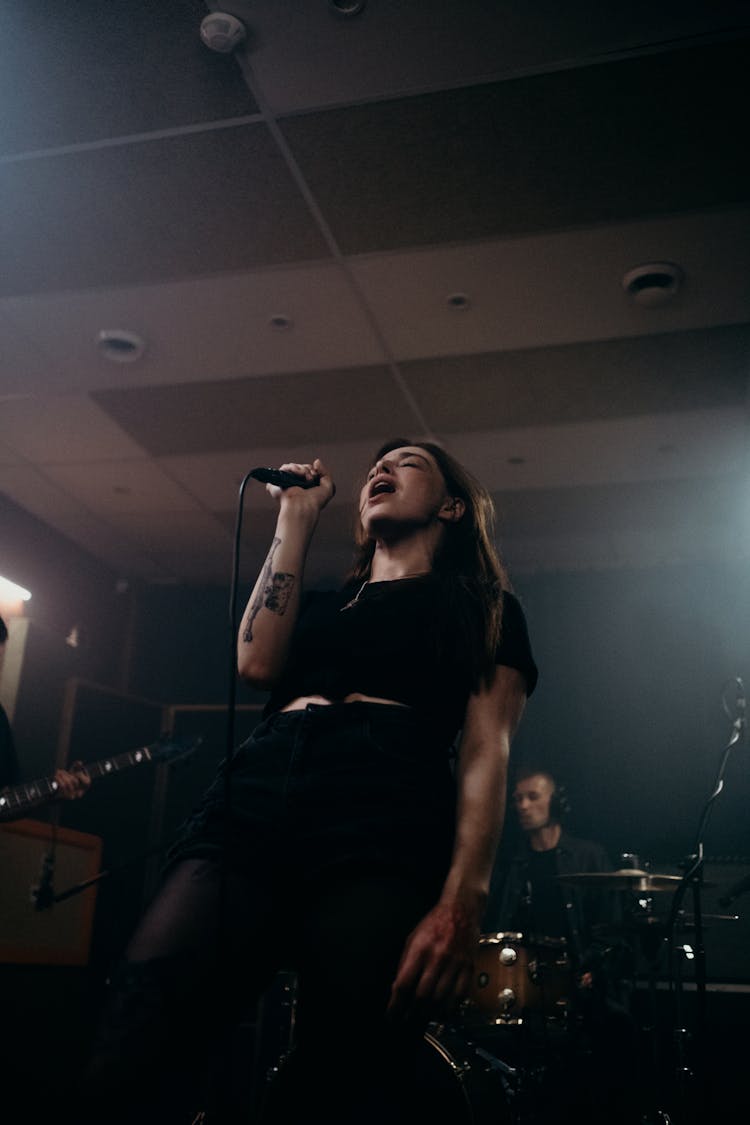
514,978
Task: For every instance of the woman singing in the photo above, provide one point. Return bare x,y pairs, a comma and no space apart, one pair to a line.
359,842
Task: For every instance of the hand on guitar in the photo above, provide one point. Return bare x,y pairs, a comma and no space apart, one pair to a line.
72,783
69,784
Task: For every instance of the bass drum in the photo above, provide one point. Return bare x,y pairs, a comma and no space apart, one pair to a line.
458,1083
461,1082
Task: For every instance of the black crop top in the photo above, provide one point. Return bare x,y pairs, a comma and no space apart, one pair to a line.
395,642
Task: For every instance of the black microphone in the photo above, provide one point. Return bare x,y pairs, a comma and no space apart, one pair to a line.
283,479
43,894
735,891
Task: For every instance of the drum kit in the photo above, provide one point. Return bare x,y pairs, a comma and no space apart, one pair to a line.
510,1055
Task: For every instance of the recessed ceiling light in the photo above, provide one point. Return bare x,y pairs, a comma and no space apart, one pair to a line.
653,283
346,7
458,300
119,345
281,323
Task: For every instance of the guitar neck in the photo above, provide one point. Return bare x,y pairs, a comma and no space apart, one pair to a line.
31,793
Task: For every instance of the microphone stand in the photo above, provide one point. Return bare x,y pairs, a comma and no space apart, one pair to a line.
693,878
77,888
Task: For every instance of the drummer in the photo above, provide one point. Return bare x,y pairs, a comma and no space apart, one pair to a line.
529,896
526,895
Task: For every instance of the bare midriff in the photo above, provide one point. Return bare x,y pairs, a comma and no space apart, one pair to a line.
302,701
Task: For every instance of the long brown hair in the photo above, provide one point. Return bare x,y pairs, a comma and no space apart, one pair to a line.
467,561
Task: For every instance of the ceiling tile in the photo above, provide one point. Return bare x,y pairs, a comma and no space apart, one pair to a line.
214,478
23,364
412,47
674,446
145,62
603,379
196,204
650,135
120,486
246,414
62,428
210,328
557,288
7,456
37,493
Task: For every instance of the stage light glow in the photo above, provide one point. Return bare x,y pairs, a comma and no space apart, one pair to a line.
12,592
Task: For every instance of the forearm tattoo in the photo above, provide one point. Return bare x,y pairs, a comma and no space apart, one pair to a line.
274,592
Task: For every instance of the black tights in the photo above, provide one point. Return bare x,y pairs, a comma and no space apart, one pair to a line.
175,1001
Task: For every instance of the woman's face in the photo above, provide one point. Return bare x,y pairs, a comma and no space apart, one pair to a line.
404,488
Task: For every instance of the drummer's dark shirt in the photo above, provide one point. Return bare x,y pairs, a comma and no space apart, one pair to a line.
542,907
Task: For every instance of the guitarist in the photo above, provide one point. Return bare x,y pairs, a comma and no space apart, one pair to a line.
72,783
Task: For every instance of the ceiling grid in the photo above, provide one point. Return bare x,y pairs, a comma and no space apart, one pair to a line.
415,221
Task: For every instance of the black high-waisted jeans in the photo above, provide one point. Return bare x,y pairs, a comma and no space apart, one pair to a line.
338,839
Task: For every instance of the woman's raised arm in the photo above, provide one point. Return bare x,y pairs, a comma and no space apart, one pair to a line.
271,611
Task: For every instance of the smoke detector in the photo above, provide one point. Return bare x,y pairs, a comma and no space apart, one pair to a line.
222,32
653,283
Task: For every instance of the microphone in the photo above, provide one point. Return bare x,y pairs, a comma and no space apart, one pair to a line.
283,479
43,894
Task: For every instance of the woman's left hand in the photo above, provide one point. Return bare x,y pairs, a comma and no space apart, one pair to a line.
435,971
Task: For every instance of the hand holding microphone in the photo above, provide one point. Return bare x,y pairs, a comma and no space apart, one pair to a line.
303,476
284,479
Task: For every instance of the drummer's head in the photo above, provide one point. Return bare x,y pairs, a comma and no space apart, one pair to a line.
537,798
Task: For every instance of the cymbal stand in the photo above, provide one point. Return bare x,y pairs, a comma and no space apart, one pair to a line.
649,930
693,879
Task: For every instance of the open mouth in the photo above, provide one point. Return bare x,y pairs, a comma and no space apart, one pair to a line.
380,488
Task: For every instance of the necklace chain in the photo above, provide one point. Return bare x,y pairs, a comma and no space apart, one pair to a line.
360,591
355,599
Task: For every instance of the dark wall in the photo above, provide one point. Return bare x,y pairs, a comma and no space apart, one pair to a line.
628,706
69,589
183,648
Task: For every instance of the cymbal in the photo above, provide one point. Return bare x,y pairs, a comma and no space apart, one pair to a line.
626,879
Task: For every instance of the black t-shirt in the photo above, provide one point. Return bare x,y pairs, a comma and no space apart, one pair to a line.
542,907
397,641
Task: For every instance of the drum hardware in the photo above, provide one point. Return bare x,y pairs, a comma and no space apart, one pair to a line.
638,882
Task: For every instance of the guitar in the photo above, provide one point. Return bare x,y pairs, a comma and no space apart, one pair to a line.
15,800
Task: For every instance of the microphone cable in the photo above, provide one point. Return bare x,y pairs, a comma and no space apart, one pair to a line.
231,712
223,960
282,480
